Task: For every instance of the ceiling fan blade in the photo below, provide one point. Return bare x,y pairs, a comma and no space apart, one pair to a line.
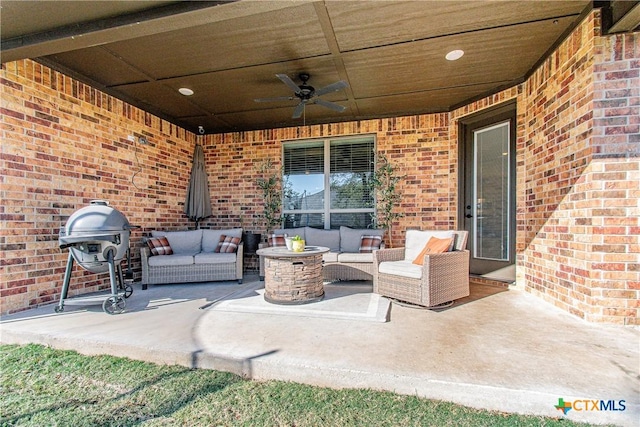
277,98
298,111
287,80
332,88
332,105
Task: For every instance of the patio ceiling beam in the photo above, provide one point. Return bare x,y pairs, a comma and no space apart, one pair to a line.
148,22
629,22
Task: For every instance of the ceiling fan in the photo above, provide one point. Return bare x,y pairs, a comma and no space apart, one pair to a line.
307,94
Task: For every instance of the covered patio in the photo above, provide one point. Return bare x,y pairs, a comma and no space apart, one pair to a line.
120,130
498,349
91,110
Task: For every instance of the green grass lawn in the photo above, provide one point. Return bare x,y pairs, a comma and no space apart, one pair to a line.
46,387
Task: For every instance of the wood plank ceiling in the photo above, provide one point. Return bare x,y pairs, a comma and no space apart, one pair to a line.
390,53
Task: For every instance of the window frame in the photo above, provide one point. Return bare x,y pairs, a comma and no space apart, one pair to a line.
326,210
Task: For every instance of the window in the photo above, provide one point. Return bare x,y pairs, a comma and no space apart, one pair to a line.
328,183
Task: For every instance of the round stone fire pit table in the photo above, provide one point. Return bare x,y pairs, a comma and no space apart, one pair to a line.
293,277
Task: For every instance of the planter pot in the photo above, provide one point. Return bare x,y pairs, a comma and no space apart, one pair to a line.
289,243
251,242
298,245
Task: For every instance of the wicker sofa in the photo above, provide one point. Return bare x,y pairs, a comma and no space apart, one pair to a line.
194,258
344,261
442,277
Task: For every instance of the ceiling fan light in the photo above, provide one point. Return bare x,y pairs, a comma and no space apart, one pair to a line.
454,55
185,91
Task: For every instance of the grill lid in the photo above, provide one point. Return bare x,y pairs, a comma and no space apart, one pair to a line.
96,218
95,234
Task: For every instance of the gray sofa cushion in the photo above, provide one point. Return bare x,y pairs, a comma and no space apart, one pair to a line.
210,238
214,258
182,242
350,238
170,260
327,238
300,231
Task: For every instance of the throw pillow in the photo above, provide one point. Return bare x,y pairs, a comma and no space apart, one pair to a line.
227,244
434,246
159,246
369,243
276,240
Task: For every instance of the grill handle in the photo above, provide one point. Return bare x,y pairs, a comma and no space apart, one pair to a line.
68,241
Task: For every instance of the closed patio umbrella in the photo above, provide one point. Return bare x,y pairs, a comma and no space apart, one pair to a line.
198,202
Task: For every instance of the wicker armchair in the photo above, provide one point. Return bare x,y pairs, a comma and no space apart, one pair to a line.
441,279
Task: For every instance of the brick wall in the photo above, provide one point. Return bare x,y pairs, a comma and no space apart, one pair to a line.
419,146
615,182
64,144
578,221
558,121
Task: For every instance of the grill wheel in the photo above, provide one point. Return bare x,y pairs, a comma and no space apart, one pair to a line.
114,305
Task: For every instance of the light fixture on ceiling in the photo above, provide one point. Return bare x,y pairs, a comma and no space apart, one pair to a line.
185,91
454,55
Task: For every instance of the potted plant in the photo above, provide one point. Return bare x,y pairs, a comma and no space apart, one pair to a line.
385,182
270,182
297,244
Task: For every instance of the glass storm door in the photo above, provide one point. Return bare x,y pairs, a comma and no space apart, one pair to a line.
489,195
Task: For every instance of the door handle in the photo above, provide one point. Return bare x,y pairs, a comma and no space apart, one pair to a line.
468,216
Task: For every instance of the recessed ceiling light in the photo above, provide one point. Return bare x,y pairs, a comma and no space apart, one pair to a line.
454,54
185,91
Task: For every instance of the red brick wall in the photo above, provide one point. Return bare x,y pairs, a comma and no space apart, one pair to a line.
615,182
578,221
557,103
64,144
419,146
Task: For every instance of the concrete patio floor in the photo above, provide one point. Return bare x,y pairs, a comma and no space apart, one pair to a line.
500,349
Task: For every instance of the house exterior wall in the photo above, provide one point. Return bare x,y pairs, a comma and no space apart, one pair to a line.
615,182
578,209
558,124
419,146
65,143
